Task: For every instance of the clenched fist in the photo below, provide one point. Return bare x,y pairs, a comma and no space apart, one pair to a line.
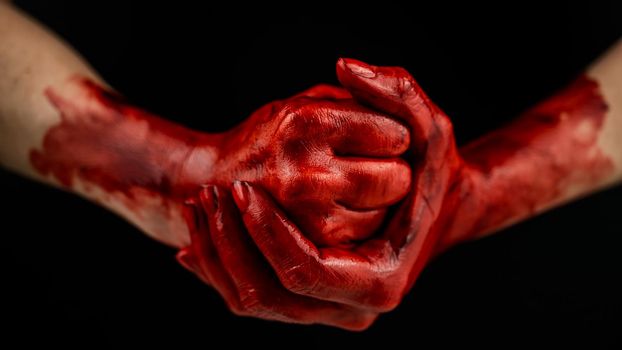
331,164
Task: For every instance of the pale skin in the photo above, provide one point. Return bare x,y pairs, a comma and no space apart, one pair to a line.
33,59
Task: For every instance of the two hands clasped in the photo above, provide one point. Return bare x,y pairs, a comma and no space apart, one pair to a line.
321,208
293,228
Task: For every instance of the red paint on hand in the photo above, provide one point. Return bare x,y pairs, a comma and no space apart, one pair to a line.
370,277
332,164
503,177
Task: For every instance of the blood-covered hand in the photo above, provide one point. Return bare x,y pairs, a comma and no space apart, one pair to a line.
330,162
503,177
369,277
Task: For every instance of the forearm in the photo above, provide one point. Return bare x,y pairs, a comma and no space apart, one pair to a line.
607,72
60,124
31,60
564,148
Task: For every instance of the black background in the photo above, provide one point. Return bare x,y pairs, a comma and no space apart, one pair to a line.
75,274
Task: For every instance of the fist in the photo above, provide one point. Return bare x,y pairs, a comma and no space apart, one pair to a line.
241,239
331,164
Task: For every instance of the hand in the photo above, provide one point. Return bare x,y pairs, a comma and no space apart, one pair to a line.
223,255
365,279
331,163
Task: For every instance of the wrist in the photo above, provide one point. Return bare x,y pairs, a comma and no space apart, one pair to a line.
463,206
202,162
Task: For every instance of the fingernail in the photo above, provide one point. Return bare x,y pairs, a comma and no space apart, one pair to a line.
241,191
209,198
359,68
215,196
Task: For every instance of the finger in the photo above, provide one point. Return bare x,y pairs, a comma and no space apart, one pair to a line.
362,133
325,91
333,274
291,254
337,225
259,291
391,90
186,256
351,129
372,183
203,257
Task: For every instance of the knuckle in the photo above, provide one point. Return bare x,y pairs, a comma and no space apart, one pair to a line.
300,279
294,115
391,302
390,133
250,300
403,175
291,187
237,309
441,122
404,138
361,323
287,121
448,127
386,295
405,83
366,323
444,124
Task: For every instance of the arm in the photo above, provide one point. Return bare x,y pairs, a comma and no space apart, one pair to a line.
60,124
32,60
46,95
566,147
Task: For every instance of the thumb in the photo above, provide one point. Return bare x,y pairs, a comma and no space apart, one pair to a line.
391,90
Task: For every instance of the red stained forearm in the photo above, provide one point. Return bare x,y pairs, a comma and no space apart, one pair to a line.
104,141
547,156
121,156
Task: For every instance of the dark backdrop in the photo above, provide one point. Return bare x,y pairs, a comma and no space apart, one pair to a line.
76,274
